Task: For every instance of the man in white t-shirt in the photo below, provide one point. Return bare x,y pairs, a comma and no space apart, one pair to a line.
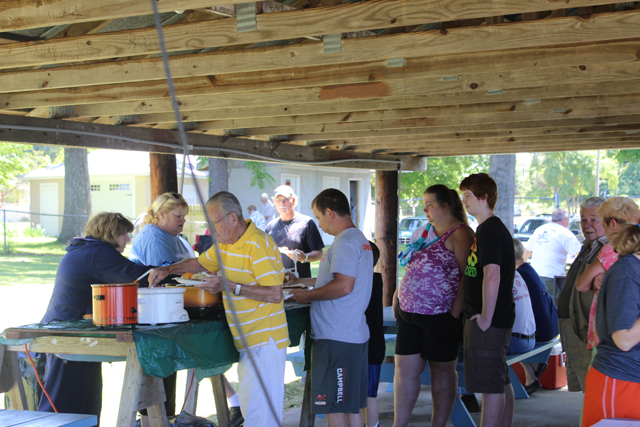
550,245
268,210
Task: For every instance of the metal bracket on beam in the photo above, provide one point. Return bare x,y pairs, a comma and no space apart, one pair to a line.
246,17
126,119
531,101
332,43
560,110
348,147
450,78
233,132
396,62
379,150
495,92
631,132
61,112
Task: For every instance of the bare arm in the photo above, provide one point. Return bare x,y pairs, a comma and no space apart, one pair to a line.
340,286
626,339
271,294
490,287
190,265
462,239
585,280
312,256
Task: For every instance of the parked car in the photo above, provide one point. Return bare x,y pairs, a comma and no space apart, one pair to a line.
516,210
410,224
531,224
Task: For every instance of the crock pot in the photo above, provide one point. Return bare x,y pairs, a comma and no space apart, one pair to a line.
161,305
115,305
198,297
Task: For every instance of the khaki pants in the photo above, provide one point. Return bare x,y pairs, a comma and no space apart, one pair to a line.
578,357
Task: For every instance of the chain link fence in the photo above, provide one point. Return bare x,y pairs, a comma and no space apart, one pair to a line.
17,223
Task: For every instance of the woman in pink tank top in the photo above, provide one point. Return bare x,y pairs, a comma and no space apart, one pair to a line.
427,306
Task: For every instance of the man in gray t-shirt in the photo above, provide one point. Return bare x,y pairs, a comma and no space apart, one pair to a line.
338,323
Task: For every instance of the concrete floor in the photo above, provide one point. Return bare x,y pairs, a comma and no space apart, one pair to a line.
556,408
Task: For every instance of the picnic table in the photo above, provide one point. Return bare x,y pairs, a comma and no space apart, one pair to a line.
150,352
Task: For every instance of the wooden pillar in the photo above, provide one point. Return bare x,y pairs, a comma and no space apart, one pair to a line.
164,176
387,231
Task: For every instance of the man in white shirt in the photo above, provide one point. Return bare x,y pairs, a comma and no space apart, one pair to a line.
257,217
268,210
550,245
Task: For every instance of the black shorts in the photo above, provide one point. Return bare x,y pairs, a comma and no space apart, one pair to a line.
339,377
485,358
435,337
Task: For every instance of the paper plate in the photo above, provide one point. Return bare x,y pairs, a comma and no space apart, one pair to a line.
188,282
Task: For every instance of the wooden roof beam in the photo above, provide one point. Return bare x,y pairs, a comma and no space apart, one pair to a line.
419,134
460,66
345,18
202,144
549,32
527,147
468,90
23,14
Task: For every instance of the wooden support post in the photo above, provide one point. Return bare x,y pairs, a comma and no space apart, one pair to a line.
387,230
220,396
191,393
164,174
140,391
307,419
11,380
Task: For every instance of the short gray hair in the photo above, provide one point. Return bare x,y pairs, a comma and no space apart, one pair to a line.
518,247
592,202
227,202
559,215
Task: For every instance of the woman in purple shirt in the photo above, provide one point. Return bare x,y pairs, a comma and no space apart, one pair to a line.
427,306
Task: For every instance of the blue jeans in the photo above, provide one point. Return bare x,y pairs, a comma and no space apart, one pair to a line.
520,345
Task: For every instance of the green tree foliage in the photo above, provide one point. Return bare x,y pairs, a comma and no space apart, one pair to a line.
440,170
259,174
571,174
628,166
17,159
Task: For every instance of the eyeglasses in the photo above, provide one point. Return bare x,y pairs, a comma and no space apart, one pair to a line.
215,224
283,200
176,195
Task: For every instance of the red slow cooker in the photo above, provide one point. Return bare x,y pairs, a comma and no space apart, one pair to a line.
115,305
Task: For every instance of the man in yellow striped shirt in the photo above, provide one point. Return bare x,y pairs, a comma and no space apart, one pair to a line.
255,273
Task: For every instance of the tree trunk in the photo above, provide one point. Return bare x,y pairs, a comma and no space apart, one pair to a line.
387,231
77,193
164,174
218,176
502,169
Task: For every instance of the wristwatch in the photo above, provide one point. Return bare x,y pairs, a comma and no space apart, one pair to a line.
238,287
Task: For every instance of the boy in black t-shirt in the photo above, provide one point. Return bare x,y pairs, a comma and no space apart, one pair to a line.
489,308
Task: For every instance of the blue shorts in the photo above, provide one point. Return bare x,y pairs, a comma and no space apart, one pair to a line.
374,380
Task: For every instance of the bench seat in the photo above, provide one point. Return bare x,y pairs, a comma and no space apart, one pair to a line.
11,418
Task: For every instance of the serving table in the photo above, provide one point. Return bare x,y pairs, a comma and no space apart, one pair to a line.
150,352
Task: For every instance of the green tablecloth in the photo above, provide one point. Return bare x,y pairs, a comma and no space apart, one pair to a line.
206,345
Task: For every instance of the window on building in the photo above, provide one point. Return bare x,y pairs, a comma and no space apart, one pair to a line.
118,187
95,187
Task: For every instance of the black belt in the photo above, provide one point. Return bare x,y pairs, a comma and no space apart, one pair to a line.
522,336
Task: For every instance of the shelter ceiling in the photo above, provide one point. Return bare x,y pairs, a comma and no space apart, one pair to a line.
411,78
